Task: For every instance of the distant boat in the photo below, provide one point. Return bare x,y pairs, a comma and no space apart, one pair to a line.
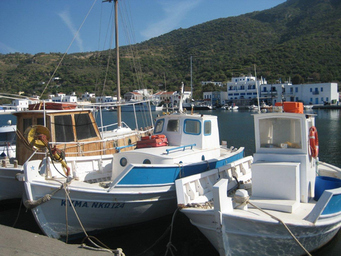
7,140
253,107
233,106
290,207
308,106
201,105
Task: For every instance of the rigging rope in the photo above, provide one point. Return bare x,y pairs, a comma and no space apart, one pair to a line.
61,60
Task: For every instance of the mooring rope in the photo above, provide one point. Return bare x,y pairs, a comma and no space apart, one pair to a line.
16,220
285,225
118,251
170,246
30,204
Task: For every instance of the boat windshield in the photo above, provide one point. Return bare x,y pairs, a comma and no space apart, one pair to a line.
280,133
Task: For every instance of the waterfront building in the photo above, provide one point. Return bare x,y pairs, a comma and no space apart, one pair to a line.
243,88
105,99
220,84
315,94
62,97
243,91
88,96
216,98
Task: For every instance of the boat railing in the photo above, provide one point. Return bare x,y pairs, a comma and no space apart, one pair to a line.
198,188
122,147
112,127
181,147
76,147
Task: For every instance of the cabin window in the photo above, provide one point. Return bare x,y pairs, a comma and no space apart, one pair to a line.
173,125
207,128
27,122
63,128
40,121
159,125
146,161
192,126
280,133
123,161
84,127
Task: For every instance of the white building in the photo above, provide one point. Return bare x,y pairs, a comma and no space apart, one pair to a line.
243,87
88,96
215,98
62,97
20,104
106,99
316,94
220,84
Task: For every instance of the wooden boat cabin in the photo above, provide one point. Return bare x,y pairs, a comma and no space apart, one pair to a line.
74,131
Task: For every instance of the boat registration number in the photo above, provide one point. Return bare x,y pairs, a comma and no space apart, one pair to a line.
99,205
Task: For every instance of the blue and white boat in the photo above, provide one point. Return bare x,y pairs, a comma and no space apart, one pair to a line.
285,203
129,187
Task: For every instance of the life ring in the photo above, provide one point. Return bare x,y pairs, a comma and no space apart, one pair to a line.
313,142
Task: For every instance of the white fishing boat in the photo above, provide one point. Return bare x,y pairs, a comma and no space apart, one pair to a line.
7,140
87,193
291,207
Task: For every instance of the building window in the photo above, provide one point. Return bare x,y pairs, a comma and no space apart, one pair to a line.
296,89
311,89
321,89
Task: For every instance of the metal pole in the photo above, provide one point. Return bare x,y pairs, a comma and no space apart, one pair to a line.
119,118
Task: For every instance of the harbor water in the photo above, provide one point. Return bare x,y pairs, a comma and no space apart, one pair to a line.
153,238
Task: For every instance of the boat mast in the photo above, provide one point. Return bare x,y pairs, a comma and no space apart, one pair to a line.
191,80
257,89
119,117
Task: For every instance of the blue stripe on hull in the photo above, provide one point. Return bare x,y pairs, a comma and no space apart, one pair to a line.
333,206
144,175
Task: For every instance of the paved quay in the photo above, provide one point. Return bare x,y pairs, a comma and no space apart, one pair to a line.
21,242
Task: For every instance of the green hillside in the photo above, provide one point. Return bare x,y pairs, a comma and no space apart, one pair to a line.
298,40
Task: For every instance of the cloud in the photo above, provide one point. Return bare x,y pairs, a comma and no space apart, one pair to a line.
6,49
65,16
174,13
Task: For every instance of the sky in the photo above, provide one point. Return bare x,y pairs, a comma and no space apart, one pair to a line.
35,26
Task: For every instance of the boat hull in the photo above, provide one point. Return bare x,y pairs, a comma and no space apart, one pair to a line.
245,236
142,195
10,187
97,210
